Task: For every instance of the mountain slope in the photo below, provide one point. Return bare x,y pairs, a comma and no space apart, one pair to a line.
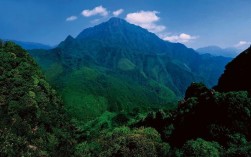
107,43
128,59
236,76
32,118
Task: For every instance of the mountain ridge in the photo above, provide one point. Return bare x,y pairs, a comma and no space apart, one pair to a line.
31,45
118,50
218,51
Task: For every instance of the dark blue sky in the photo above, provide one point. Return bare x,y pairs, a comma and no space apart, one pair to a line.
195,23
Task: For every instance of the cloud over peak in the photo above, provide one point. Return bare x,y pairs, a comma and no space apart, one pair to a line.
147,20
99,10
142,17
118,12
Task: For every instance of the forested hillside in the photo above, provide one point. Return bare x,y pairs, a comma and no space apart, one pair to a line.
34,122
32,118
125,79
205,123
117,66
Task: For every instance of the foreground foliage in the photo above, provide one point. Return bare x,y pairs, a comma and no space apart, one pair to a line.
32,119
123,141
222,119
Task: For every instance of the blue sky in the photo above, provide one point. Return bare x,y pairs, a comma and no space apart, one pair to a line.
196,23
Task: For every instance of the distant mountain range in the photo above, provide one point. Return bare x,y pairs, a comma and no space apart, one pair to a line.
120,66
31,45
218,51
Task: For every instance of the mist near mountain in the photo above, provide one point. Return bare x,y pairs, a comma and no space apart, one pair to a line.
218,51
31,45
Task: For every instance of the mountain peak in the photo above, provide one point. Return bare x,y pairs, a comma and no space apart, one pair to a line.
115,20
114,27
69,38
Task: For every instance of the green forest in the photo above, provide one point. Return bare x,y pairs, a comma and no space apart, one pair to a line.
37,120
142,79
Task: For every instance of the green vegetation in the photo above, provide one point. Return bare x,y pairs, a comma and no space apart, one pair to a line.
131,68
117,66
32,119
89,92
200,148
118,101
206,123
123,141
125,64
207,114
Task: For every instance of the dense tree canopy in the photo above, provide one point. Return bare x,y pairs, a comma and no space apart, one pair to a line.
215,117
123,141
32,119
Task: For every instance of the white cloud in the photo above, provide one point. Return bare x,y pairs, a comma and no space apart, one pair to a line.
147,20
71,18
142,17
118,12
99,10
182,38
152,27
242,44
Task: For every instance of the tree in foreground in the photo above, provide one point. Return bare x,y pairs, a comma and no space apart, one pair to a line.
32,118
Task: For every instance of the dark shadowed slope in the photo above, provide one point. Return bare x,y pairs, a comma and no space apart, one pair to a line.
237,76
